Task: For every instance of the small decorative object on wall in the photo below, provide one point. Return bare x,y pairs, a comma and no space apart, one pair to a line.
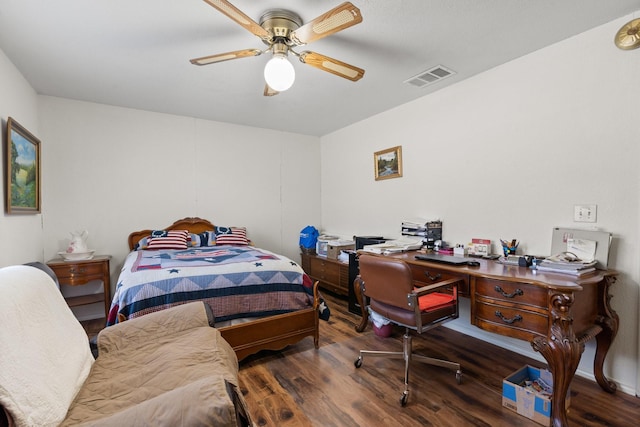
388,163
23,170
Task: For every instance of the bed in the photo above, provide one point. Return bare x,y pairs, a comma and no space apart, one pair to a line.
257,309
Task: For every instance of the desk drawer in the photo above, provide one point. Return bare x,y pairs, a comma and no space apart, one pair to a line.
429,275
509,321
325,271
516,293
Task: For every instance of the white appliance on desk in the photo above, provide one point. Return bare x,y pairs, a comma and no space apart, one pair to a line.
601,240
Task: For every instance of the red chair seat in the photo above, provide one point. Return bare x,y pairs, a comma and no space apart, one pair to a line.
434,301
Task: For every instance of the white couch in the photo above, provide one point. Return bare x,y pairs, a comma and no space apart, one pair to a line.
166,368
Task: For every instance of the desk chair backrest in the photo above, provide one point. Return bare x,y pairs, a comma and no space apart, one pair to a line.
386,280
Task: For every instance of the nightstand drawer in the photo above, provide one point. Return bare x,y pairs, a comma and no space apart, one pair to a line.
76,274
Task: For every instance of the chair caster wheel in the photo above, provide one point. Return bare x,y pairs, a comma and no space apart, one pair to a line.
403,400
459,377
358,362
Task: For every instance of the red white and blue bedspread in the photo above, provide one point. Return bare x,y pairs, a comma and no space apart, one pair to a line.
236,281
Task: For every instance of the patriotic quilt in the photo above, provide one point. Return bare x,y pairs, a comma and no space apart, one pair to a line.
236,281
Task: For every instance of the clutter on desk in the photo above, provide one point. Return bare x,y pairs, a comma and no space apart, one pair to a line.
403,244
509,260
509,247
567,263
429,231
322,246
479,247
443,248
532,261
362,241
577,241
344,256
460,250
335,247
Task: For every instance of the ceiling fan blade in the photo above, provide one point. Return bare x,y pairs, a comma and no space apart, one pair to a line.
237,15
268,91
211,59
332,66
337,19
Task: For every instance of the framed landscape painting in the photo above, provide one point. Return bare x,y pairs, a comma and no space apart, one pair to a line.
388,163
23,170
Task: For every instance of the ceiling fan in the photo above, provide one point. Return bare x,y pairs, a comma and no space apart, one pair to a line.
628,37
282,30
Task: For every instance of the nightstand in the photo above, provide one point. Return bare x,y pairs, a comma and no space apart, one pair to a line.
79,273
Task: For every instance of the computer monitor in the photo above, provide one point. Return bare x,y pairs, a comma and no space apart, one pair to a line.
362,241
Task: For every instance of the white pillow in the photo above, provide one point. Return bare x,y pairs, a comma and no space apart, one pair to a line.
44,351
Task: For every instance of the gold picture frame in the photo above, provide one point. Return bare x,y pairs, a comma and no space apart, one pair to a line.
387,163
23,170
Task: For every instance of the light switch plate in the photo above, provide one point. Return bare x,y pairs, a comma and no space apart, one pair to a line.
585,213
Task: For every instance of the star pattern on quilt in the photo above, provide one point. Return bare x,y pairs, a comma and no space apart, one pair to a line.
174,270
258,264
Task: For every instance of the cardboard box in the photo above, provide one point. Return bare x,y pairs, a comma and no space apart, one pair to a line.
526,401
335,246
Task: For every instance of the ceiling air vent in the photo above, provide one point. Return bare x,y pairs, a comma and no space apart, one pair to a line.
431,76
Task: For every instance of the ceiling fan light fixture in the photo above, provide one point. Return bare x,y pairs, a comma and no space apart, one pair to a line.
279,73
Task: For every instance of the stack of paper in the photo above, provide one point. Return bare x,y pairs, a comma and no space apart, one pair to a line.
391,246
414,227
567,263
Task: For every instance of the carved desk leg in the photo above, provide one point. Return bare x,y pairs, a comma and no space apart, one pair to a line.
562,351
609,321
358,283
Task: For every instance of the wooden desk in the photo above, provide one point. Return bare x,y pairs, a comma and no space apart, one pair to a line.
556,313
332,274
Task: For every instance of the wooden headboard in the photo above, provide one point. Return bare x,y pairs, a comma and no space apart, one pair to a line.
193,224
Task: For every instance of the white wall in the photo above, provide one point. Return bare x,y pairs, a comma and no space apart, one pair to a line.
115,170
507,154
20,235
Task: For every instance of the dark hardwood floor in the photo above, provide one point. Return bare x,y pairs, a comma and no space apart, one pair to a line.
302,386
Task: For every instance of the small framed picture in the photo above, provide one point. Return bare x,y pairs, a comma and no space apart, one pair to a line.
23,170
388,163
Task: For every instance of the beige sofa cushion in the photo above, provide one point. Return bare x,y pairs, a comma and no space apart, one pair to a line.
168,368
44,351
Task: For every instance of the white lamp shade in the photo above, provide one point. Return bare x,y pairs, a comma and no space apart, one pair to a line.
279,73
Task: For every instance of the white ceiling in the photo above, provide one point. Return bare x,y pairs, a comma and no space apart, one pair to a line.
135,53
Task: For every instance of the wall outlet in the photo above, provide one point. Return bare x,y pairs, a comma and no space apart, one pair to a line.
585,213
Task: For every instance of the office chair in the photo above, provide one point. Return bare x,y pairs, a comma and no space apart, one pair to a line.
389,286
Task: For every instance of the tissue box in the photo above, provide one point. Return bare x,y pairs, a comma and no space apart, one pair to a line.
335,246
533,404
